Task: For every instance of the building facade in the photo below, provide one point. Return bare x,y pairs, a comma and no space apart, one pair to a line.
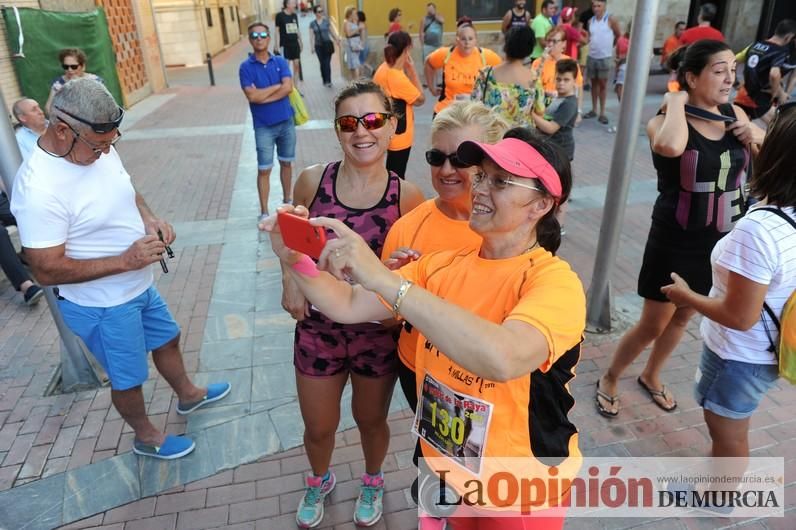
135,42
190,29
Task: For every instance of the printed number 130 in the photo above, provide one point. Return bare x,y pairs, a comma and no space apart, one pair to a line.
446,425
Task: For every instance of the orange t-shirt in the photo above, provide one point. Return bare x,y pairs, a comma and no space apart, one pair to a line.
669,47
549,74
461,71
425,229
523,417
398,87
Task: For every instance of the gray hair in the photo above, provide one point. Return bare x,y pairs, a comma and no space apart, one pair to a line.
86,98
16,109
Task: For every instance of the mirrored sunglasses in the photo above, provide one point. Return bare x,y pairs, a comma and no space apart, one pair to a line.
370,121
437,158
254,35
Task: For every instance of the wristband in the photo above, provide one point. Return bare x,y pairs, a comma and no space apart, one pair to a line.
399,298
306,267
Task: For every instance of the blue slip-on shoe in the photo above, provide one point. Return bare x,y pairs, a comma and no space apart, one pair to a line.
215,391
173,447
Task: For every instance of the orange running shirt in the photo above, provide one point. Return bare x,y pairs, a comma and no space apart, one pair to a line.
398,87
669,47
523,417
549,74
460,71
425,229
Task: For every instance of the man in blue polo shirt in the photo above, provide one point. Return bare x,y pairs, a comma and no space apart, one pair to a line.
266,80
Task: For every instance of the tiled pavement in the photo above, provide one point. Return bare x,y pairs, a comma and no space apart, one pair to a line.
224,290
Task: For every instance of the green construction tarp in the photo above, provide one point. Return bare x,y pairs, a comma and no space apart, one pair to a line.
46,33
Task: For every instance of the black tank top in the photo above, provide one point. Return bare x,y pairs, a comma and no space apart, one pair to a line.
701,191
518,21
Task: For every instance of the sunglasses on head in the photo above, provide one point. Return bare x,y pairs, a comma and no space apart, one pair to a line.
370,121
99,128
437,158
70,66
254,35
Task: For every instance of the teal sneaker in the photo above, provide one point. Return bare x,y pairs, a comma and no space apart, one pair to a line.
310,508
173,447
368,508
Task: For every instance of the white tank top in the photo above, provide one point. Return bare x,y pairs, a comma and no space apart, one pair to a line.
601,43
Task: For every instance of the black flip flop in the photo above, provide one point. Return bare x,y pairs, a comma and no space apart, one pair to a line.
657,393
610,399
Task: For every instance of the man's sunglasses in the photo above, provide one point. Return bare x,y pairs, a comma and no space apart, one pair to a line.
95,148
437,158
70,66
254,35
99,128
370,121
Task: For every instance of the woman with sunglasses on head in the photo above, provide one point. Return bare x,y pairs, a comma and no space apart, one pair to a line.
460,65
363,195
73,62
754,274
398,78
700,149
499,326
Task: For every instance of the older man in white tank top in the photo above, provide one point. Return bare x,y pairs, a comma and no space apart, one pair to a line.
603,33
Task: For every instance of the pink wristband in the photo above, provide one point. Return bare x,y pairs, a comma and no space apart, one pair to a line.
306,267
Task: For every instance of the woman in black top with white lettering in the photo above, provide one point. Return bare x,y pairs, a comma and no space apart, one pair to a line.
701,165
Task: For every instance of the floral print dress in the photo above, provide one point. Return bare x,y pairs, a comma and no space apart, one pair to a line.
512,101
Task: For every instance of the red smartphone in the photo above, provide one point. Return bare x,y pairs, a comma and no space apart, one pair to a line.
299,235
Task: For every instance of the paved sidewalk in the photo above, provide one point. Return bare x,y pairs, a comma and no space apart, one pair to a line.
191,151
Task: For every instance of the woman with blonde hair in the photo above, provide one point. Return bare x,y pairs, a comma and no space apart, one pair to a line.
460,65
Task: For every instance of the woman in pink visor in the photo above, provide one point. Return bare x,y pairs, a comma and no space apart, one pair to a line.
500,331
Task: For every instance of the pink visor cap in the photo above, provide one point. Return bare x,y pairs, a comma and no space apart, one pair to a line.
516,157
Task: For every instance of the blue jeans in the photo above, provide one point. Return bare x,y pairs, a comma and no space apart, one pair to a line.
732,389
283,135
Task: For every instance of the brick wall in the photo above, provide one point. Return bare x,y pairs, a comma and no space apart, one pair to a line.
8,78
129,57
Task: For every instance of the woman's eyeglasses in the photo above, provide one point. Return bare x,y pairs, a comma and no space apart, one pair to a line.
500,183
70,66
370,121
254,35
437,158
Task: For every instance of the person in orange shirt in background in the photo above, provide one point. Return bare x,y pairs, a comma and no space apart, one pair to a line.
671,44
398,78
460,65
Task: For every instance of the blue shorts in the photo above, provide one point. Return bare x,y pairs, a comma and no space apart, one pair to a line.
121,336
283,135
732,389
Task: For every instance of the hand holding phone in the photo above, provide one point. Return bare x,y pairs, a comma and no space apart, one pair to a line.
299,235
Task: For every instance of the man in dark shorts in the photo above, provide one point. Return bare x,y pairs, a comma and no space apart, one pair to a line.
767,62
288,38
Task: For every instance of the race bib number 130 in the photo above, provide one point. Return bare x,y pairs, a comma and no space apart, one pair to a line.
455,424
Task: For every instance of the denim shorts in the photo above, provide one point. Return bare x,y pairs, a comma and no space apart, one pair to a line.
283,135
732,389
121,336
